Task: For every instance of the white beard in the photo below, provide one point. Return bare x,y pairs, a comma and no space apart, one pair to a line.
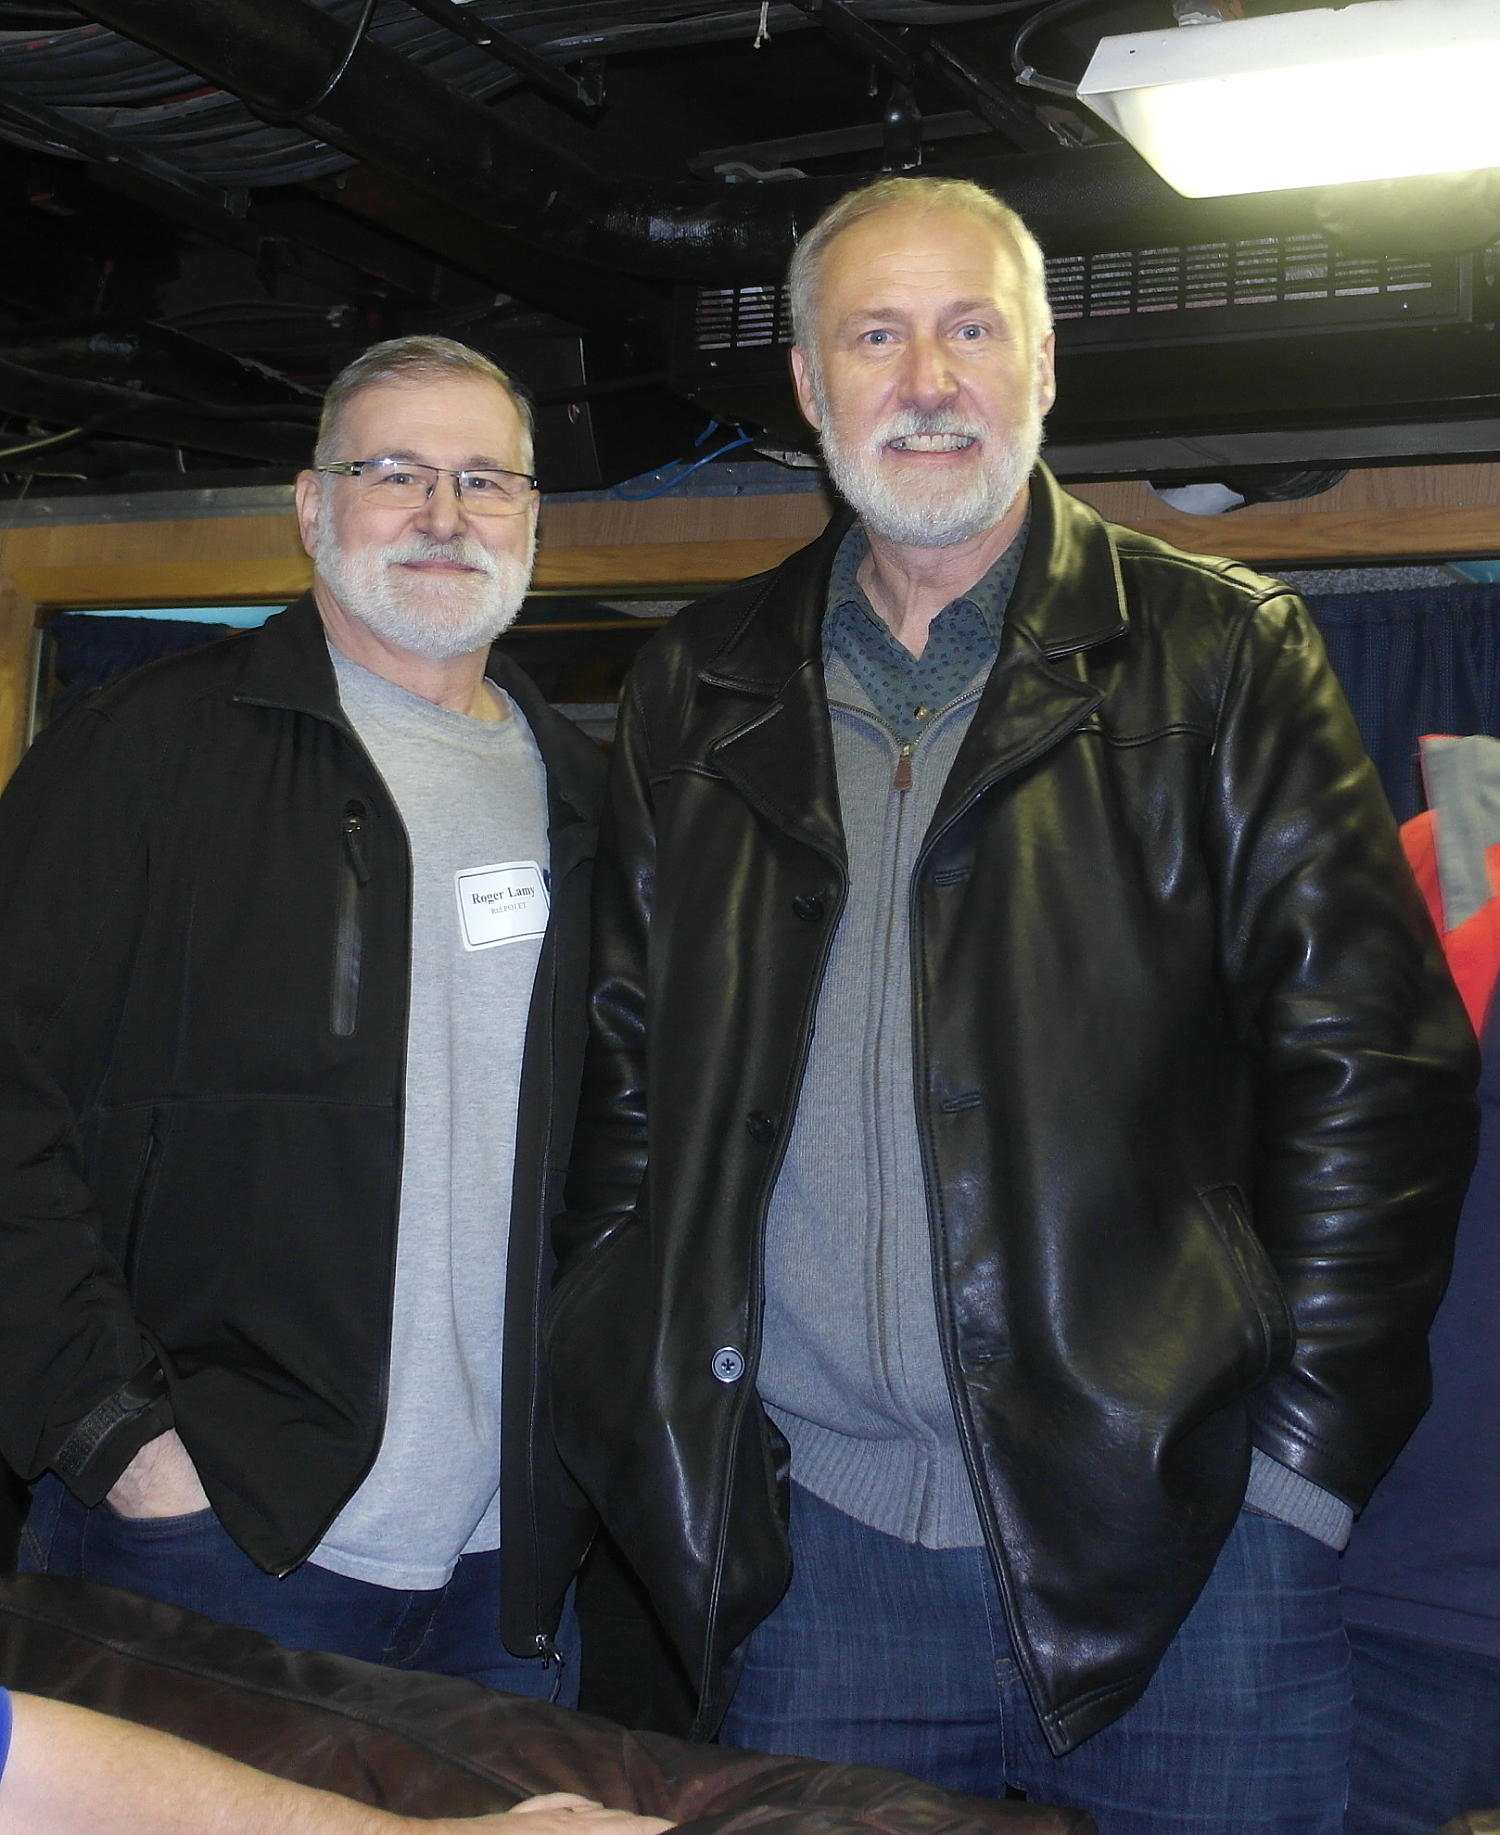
937,512
436,615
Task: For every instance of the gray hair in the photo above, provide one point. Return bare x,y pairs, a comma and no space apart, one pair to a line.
412,360
921,194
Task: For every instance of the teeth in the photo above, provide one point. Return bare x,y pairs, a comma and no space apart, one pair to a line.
932,442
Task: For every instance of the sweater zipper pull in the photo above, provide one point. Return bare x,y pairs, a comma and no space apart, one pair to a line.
548,1651
902,778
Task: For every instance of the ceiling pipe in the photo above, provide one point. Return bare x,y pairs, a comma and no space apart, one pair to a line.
280,435
278,55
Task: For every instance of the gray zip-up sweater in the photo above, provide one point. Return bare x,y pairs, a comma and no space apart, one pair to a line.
851,1367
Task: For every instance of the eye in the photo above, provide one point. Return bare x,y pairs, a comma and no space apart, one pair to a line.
481,483
397,475
971,334
876,336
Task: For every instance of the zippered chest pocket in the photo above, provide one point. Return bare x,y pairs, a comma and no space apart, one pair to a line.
349,921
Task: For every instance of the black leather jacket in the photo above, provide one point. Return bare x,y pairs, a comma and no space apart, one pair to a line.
1194,1095
204,966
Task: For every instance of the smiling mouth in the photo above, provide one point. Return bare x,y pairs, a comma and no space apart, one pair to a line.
931,442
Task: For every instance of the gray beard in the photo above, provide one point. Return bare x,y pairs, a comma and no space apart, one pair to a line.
437,616
938,514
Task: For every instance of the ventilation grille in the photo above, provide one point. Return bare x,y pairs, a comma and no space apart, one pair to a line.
1263,286
1259,286
739,318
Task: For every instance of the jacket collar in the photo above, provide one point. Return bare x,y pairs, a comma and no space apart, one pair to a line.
288,666
1068,596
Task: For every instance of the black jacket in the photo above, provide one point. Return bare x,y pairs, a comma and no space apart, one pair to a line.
1194,1094
204,944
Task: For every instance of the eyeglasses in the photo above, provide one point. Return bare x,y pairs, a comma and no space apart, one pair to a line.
406,484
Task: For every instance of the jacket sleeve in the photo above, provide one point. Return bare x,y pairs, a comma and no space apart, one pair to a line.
82,1390
609,1154
1364,1063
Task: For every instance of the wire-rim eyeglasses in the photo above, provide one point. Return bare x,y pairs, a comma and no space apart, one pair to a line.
406,484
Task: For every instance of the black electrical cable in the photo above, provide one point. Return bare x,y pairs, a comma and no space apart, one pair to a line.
1034,79
362,25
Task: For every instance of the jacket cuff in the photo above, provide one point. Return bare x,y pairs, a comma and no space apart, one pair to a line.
107,1438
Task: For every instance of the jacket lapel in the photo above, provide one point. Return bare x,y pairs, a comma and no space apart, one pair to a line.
1069,597
778,751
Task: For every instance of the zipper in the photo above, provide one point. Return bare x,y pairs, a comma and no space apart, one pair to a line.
901,780
141,1202
349,928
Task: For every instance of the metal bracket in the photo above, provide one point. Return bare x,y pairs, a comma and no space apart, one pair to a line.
994,105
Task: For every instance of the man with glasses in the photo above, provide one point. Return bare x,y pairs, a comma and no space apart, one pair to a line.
290,1026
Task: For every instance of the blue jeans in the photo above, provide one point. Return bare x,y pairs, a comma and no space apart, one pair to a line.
191,1561
1426,1733
886,1654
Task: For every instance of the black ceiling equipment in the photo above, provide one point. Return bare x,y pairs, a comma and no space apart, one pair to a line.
208,208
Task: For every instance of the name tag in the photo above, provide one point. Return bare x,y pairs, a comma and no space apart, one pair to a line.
501,904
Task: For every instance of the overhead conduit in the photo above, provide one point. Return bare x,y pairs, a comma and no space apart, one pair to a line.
399,118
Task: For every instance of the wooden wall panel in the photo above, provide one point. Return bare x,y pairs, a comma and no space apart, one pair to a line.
18,638
1396,513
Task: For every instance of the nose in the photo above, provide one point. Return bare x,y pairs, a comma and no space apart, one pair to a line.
443,513
928,380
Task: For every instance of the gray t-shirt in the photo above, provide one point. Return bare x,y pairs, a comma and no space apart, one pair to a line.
472,795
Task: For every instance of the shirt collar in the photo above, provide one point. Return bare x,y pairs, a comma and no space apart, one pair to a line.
989,595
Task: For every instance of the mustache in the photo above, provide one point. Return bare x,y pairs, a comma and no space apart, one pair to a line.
901,426
460,550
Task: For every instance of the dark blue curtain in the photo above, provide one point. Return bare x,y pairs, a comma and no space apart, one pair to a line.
89,651
1411,663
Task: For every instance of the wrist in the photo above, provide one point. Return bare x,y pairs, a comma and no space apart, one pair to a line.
104,1443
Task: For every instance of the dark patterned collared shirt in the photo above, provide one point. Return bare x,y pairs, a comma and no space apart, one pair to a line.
906,690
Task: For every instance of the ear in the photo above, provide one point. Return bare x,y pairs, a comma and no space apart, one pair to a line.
802,383
308,493
1046,373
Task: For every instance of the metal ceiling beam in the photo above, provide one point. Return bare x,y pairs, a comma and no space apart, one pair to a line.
64,131
585,93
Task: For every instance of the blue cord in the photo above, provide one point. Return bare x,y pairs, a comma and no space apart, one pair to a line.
670,476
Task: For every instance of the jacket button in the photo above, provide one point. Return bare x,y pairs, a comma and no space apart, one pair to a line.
808,908
727,1364
760,1127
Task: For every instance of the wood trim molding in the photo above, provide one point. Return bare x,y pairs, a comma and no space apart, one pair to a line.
676,547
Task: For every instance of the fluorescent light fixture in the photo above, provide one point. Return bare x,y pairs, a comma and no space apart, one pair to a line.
1379,89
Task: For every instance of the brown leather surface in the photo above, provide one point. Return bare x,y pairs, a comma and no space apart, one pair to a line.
430,1745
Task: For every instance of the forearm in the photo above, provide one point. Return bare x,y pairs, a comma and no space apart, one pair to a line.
74,1772
608,1162
1364,1063
71,1772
